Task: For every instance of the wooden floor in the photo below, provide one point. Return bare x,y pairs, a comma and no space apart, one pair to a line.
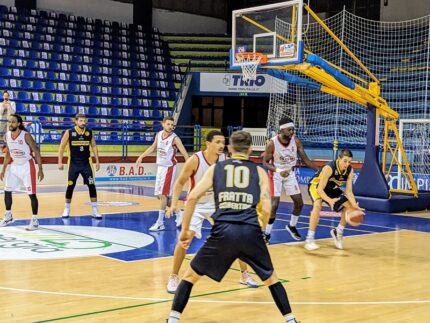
379,277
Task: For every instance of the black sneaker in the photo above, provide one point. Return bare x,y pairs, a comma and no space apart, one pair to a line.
266,237
293,232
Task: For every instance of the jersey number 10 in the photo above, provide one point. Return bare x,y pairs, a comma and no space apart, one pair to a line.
237,176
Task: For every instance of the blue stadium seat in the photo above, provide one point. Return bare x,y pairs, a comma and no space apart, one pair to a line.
20,108
23,96
3,83
5,71
71,98
7,61
26,84
114,123
70,110
115,112
115,101
136,136
114,136
48,97
156,114
38,85
50,86
68,122
136,113
45,109
92,111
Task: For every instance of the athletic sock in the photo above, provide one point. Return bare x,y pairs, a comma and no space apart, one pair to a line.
94,207
161,215
174,317
340,228
311,235
289,318
268,229
294,219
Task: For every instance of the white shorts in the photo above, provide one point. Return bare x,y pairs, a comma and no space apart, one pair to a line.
21,175
201,213
277,182
164,180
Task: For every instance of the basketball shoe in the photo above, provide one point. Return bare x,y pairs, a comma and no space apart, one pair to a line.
157,226
247,280
173,283
337,238
293,232
311,245
8,219
33,225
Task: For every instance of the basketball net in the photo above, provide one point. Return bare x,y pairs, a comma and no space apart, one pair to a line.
249,63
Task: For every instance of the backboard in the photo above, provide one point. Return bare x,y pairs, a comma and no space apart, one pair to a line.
274,30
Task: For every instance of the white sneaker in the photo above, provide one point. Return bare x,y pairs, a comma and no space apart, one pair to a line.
247,280
337,238
311,245
172,284
97,215
66,214
179,217
157,226
8,219
33,225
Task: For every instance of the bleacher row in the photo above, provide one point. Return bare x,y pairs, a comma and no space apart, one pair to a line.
55,65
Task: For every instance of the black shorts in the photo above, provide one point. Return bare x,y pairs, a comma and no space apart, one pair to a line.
331,193
228,242
84,169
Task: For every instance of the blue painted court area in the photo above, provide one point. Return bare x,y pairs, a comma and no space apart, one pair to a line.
164,241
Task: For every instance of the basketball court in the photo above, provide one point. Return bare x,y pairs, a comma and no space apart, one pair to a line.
114,269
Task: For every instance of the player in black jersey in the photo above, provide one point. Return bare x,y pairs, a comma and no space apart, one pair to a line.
79,139
242,203
325,187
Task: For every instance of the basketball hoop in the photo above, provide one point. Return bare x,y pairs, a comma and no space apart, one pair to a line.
249,62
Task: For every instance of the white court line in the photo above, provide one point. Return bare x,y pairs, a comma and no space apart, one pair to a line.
369,225
216,301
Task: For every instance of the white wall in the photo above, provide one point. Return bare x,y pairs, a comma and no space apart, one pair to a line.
9,3
398,10
178,22
103,9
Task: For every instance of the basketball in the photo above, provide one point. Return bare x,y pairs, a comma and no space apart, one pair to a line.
354,216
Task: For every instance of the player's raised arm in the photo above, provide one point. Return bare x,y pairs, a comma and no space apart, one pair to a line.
189,168
63,145
178,143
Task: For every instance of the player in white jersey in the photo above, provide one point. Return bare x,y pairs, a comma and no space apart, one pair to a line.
166,143
193,171
22,172
280,159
